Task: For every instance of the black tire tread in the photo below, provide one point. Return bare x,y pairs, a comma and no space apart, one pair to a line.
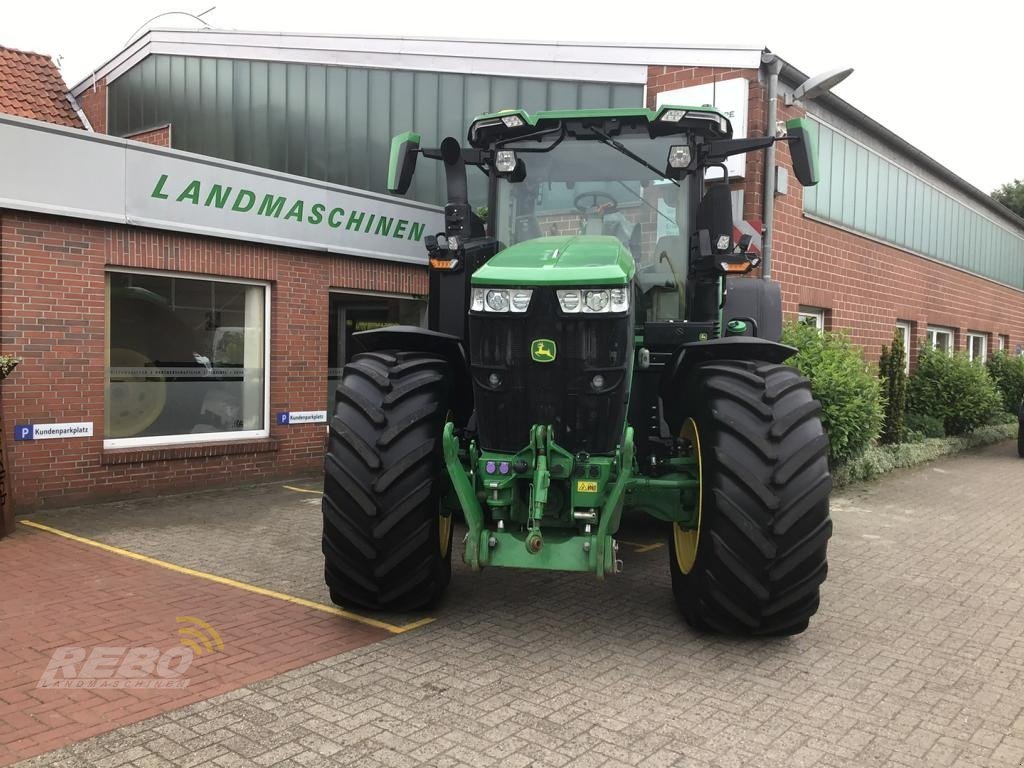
381,483
762,553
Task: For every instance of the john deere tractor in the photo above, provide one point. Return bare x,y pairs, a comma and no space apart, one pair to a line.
592,350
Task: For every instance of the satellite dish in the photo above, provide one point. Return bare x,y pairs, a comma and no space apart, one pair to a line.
813,87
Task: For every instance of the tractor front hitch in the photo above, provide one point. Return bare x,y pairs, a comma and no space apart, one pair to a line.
556,549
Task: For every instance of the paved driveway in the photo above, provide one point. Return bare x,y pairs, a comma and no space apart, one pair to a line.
916,658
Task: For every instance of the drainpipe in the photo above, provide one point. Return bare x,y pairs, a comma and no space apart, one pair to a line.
772,65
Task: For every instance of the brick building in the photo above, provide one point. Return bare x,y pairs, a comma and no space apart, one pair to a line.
107,236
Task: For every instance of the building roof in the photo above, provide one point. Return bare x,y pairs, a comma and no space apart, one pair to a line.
581,62
31,86
585,62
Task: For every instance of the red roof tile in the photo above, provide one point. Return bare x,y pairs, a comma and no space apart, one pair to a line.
31,86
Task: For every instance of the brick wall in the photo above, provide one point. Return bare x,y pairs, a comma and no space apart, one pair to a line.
160,137
864,285
93,102
53,316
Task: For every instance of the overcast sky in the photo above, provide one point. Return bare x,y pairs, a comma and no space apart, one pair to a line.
945,77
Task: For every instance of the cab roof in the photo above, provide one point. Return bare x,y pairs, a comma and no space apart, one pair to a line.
668,119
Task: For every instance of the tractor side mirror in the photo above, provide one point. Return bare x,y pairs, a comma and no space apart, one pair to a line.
714,215
404,149
803,150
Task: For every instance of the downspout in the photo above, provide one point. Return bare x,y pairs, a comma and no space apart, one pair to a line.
772,65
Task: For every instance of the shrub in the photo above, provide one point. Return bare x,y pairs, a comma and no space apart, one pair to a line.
850,397
925,425
953,389
1007,371
894,390
7,364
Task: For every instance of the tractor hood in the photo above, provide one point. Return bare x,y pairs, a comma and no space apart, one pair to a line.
568,260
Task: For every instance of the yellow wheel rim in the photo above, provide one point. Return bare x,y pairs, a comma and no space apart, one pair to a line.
444,525
445,522
686,541
134,402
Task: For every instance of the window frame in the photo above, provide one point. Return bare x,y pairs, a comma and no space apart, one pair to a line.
1002,342
908,335
971,335
807,312
197,437
932,332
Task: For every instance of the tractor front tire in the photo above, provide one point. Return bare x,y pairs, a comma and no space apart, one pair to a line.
386,539
756,561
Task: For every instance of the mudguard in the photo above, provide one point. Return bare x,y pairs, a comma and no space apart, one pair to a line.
411,338
688,356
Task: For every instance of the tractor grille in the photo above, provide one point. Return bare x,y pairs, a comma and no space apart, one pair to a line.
558,393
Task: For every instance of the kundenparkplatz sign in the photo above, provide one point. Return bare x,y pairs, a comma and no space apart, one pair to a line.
67,172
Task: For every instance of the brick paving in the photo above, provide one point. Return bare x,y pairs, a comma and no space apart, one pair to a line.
58,593
916,659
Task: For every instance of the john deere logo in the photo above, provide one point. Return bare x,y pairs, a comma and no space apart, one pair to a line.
543,350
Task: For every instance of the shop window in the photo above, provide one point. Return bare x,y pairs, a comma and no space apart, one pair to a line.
812,316
903,329
186,359
354,312
941,339
977,346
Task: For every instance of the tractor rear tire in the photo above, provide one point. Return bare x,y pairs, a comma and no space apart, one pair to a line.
758,557
386,539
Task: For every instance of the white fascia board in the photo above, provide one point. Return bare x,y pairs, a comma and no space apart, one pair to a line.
590,62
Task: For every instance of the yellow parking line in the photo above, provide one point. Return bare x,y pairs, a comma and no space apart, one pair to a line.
393,628
301,490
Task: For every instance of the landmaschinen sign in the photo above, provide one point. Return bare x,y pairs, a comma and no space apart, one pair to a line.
67,172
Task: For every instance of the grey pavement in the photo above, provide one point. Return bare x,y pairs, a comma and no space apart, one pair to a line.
915,659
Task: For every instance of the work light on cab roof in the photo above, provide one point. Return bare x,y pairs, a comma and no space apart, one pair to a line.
589,353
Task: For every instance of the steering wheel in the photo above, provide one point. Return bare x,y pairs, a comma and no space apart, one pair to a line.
611,206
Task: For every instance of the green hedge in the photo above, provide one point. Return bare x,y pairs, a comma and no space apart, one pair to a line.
1007,371
879,459
850,396
953,389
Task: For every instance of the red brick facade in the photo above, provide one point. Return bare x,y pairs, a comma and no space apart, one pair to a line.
158,137
93,102
865,286
52,287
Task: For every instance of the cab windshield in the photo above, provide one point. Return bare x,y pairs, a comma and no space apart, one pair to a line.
585,186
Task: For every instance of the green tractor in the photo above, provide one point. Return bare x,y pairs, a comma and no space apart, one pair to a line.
591,351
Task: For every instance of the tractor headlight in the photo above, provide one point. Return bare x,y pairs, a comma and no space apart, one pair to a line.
496,300
672,115
501,299
620,299
569,300
521,299
505,160
512,121
679,156
594,300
